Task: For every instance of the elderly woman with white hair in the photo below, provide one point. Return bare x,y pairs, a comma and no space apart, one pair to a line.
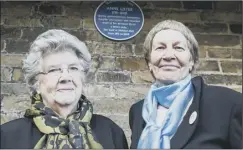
60,117
180,111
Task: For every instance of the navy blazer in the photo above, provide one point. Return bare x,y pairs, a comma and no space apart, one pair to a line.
218,123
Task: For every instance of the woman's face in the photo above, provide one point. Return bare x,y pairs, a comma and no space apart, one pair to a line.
63,87
170,57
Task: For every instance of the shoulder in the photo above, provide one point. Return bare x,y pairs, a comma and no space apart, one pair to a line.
15,125
135,112
217,93
223,91
101,119
223,95
18,131
108,132
105,122
137,106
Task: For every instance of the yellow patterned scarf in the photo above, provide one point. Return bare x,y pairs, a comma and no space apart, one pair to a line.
60,133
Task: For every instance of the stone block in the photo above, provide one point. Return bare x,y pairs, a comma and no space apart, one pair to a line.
14,89
12,60
223,79
211,16
120,49
18,75
132,64
142,77
23,22
90,77
89,23
202,52
31,34
109,63
103,49
10,32
79,34
198,5
123,49
236,28
62,22
16,9
50,8
113,77
219,53
139,50
149,12
81,9
90,35
96,63
6,74
113,106
183,16
139,38
167,4
228,6
96,90
17,46
208,66
131,91
218,40
150,23
16,103
237,53
232,66
207,27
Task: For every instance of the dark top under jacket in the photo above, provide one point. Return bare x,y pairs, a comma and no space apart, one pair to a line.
218,123
23,134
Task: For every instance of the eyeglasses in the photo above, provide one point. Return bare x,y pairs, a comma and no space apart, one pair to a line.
73,70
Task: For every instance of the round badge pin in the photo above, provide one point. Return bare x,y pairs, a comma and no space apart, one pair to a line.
193,117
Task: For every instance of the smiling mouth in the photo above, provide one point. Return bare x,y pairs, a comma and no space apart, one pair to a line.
169,66
65,90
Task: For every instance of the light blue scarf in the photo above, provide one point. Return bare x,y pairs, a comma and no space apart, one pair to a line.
176,97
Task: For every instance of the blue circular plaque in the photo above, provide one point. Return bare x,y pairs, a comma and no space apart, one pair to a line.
119,20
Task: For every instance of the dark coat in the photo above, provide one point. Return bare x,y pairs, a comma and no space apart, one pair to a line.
218,123
23,134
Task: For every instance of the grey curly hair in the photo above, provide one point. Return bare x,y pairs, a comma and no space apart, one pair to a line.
53,41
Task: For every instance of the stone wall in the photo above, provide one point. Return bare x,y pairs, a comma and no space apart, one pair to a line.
119,76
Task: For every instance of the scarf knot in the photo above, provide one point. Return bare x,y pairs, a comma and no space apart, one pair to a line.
176,98
63,133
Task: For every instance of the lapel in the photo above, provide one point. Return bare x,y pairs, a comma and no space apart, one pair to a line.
138,129
185,130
